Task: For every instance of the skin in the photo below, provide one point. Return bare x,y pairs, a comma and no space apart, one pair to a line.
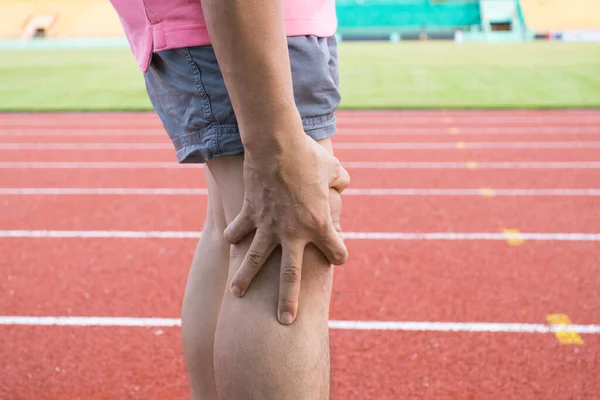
256,307
237,349
287,176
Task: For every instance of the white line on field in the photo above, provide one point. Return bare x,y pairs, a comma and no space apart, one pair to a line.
104,191
112,234
496,327
347,192
467,145
341,130
467,130
376,117
97,165
338,146
473,165
87,146
349,165
43,132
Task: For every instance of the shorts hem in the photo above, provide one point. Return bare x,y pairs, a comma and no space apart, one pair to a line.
225,140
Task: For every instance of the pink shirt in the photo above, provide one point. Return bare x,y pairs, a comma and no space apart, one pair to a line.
155,25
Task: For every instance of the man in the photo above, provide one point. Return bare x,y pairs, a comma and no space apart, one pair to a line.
249,87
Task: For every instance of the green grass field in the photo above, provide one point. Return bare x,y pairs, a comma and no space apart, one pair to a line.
373,75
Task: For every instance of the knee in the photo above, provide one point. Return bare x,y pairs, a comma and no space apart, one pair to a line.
214,225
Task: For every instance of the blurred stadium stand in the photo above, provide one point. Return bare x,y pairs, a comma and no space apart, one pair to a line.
358,19
560,15
58,19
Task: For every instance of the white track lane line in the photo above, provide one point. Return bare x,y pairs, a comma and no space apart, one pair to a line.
496,327
467,145
463,119
348,164
476,165
337,146
347,192
375,130
114,234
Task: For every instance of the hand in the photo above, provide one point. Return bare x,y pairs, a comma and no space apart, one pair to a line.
287,201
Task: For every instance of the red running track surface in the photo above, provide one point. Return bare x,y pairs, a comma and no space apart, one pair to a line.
429,281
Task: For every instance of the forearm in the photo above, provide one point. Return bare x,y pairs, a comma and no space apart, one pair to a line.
248,37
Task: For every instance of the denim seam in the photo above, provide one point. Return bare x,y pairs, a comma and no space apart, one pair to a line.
207,105
318,121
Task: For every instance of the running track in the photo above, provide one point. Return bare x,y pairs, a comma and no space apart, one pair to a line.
474,269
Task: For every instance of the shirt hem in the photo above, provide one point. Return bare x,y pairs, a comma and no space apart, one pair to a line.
189,36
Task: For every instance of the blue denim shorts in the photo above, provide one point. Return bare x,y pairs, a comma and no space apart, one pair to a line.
188,93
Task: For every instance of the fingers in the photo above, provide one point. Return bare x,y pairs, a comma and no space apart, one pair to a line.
239,228
335,206
289,282
339,178
331,243
260,249
332,246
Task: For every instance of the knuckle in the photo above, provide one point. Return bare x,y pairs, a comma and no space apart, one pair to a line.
340,257
291,231
254,260
336,163
321,226
290,274
287,303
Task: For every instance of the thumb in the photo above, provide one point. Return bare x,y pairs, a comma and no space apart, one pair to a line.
239,228
339,178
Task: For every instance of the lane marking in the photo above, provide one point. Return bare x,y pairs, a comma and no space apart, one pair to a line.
568,336
513,237
473,165
341,130
496,327
350,164
486,192
333,324
337,145
345,116
97,165
104,191
45,132
347,235
86,146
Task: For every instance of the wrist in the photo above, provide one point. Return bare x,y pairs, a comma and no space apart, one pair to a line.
273,136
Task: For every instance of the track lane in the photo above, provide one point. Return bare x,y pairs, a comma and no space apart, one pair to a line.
457,154
361,178
86,137
360,213
461,279
455,281
80,362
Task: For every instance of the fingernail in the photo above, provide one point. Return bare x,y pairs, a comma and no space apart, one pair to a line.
286,318
236,290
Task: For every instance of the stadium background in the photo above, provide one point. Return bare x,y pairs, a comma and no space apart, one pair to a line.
473,220
528,65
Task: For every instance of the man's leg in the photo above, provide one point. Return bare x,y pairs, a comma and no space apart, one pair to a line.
255,357
202,300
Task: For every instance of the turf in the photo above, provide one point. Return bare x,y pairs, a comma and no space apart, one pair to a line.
373,75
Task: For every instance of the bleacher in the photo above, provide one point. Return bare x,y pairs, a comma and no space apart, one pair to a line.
58,19
561,15
433,17
357,18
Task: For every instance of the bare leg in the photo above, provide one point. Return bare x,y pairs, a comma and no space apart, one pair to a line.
255,357
202,300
